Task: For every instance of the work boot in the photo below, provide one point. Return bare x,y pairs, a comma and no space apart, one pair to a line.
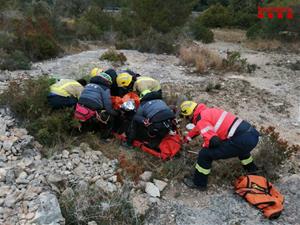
188,181
251,168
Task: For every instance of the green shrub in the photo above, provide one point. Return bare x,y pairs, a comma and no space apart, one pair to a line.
201,33
234,62
216,16
40,46
14,61
155,42
7,40
254,31
93,23
163,16
27,99
244,20
113,56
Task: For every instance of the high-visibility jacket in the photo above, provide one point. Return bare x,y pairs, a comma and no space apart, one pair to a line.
146,83
67,88
211,122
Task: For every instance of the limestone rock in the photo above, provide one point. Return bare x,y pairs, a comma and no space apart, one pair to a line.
160,184
152,190
92,223
2,174
65,154
2,126
22,178
106,186
48,211
146,176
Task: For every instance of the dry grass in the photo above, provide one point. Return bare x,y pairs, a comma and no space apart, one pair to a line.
81,206
272,45
202,58
263,45
229,35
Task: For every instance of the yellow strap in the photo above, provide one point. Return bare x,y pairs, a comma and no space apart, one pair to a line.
202,170
247,161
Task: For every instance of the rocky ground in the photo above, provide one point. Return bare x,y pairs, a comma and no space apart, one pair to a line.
270,96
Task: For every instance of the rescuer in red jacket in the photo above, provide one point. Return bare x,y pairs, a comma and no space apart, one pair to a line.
225,136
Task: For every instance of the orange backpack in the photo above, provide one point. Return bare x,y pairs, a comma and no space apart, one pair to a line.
259,192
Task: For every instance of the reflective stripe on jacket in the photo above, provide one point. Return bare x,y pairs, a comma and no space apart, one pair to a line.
146,83
213,122
67,88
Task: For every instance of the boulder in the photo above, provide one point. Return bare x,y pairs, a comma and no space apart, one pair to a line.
48,211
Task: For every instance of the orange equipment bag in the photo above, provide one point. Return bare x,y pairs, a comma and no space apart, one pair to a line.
259,192
118,101
169,146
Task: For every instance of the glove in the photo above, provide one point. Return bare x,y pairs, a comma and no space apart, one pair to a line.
147,122
187,139
214,142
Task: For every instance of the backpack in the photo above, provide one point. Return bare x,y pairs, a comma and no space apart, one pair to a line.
82,113
258,191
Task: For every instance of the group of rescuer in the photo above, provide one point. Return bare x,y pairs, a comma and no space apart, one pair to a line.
224,134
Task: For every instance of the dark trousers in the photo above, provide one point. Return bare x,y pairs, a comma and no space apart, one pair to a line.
105,129
152,134
240,145
59,102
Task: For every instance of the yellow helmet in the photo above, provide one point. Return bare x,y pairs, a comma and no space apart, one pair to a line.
187,108
124,79
96,71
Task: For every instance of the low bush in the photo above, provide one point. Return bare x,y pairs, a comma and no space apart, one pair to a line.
201,33
202,58
234,62
27,99
41,47
16,60
82,207
114,56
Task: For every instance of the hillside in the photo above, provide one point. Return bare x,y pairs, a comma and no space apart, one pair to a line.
269,96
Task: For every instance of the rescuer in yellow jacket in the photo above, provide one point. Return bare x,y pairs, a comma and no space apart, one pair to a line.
141,84
65,93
